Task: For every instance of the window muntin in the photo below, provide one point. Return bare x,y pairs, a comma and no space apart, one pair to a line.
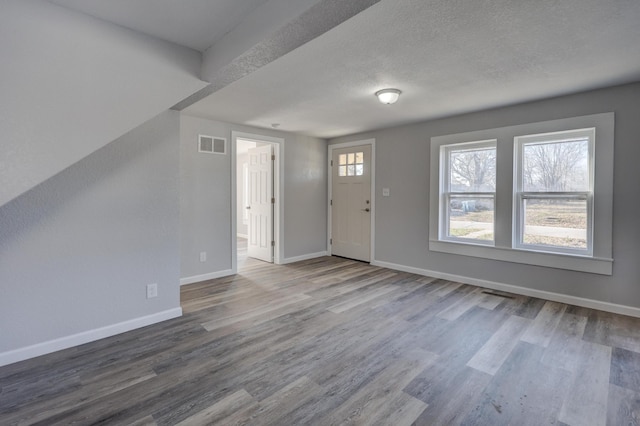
553,196
597,260
351,164
468,192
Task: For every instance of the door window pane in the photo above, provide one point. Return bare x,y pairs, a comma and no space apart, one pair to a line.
471,218
351,164
351,158
555,223
359,163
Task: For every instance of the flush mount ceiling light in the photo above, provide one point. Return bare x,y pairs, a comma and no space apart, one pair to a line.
388,96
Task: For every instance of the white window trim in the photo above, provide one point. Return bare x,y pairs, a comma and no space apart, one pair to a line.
446,193
521,195
600,262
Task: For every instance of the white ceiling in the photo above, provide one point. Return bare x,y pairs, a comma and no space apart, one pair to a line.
197,24
447,56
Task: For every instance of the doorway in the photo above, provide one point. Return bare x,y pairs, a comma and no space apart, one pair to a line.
256,189
351,200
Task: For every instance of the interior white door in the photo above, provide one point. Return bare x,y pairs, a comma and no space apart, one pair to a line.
260,226
351,202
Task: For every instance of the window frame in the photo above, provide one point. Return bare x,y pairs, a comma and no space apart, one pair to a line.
519,195
446,192
599,261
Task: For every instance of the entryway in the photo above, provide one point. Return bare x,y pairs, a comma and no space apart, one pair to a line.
256,190
351,200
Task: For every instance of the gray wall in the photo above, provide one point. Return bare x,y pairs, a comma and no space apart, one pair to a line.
305,198
205,214
402,220
71,84
205,193
77,251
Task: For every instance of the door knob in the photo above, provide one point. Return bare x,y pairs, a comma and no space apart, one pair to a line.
248,207
365,210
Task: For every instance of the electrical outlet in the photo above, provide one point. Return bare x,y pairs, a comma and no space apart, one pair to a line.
203,256
385,192
152,290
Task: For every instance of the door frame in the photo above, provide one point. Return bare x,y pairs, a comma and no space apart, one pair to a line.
278,193
372,143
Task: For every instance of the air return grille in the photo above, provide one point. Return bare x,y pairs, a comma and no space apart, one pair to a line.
212,145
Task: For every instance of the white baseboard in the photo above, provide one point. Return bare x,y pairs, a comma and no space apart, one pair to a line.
245,236
66,342
205,277
303,257
541,294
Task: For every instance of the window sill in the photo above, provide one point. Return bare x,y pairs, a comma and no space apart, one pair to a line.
593,265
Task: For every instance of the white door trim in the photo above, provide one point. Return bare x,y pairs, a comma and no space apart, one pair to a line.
278,190
371,142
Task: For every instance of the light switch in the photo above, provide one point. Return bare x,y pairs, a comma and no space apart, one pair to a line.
385,192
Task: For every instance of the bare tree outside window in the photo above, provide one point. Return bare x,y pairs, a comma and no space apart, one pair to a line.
473,170
560,166
554,202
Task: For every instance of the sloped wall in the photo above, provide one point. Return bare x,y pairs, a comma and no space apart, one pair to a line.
71,84
77,251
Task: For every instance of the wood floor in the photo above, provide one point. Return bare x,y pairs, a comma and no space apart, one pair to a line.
332,341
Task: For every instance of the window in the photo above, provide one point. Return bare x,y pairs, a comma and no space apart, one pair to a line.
536,193
468,193
553,203
351,164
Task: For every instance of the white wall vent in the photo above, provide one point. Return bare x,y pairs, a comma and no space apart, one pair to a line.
212,145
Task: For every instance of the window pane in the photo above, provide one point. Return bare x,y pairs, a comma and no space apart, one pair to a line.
359,157
359,169
342,160
473,170
471,218
351,170
560,166
556,223
342,170
352,158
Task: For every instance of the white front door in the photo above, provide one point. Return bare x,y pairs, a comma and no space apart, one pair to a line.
351,202
260,226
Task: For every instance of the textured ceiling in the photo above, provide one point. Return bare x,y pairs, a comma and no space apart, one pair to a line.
197,24
448,57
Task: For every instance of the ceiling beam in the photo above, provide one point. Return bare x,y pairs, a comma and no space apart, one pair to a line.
315,21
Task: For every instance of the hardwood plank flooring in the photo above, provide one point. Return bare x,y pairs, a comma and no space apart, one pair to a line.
330,341
587,403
